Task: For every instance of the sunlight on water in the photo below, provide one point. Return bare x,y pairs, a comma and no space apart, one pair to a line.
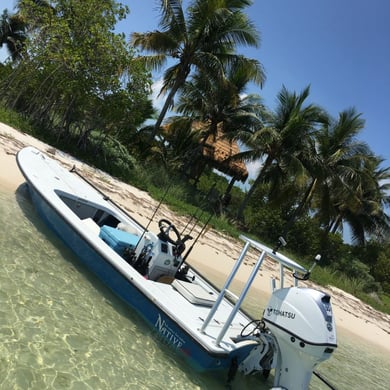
60,328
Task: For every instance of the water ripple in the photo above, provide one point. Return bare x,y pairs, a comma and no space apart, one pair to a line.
60,328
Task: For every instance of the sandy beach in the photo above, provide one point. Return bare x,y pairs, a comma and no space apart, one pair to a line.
213,255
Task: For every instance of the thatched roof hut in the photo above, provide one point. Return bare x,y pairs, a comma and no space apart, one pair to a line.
218,150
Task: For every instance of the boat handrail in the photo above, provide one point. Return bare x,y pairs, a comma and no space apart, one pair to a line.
283,261
278,257
264,251
231,295
225,291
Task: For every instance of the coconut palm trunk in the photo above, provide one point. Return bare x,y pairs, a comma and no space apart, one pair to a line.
179,82
304,202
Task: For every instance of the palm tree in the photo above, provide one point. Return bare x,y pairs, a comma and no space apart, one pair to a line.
12,34
283,142
204,39
179,143
218,105
364,202
346,183
208,98
14,29
339,166
335,155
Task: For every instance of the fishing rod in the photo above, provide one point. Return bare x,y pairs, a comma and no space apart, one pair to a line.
108,199
105,197
195,223
205,197
152,217
190,220
197,238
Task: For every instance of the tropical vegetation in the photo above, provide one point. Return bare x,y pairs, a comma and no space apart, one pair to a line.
75,82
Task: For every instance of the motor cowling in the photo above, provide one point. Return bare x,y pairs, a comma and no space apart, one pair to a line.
302,322
303,313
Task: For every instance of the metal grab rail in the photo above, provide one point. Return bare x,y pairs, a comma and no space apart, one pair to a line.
225,287
225,291
278,257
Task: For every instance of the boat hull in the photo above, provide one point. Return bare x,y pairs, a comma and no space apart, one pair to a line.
169,332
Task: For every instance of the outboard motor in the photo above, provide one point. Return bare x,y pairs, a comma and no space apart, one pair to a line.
297,332
302,323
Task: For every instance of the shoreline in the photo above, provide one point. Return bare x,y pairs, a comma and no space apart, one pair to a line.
352,315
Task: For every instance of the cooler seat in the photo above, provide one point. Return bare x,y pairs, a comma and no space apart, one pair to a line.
118,240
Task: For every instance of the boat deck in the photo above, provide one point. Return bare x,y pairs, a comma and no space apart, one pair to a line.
190,306
146,270
192,315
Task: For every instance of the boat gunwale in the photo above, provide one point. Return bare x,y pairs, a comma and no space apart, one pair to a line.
219,352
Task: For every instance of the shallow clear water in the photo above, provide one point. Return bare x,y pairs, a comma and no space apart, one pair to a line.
60,328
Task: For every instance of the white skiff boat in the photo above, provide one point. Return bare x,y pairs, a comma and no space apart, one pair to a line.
147,270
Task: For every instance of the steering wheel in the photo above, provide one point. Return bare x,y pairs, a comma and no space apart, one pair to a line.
166,227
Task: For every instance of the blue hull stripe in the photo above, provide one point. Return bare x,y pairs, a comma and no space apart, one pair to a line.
174,336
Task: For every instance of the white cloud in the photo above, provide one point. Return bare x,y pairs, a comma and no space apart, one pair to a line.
253,169
3,54
158,101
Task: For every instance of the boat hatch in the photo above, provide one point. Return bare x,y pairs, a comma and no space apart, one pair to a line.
194,293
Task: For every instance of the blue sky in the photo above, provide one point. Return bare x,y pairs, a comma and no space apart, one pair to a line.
340,47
